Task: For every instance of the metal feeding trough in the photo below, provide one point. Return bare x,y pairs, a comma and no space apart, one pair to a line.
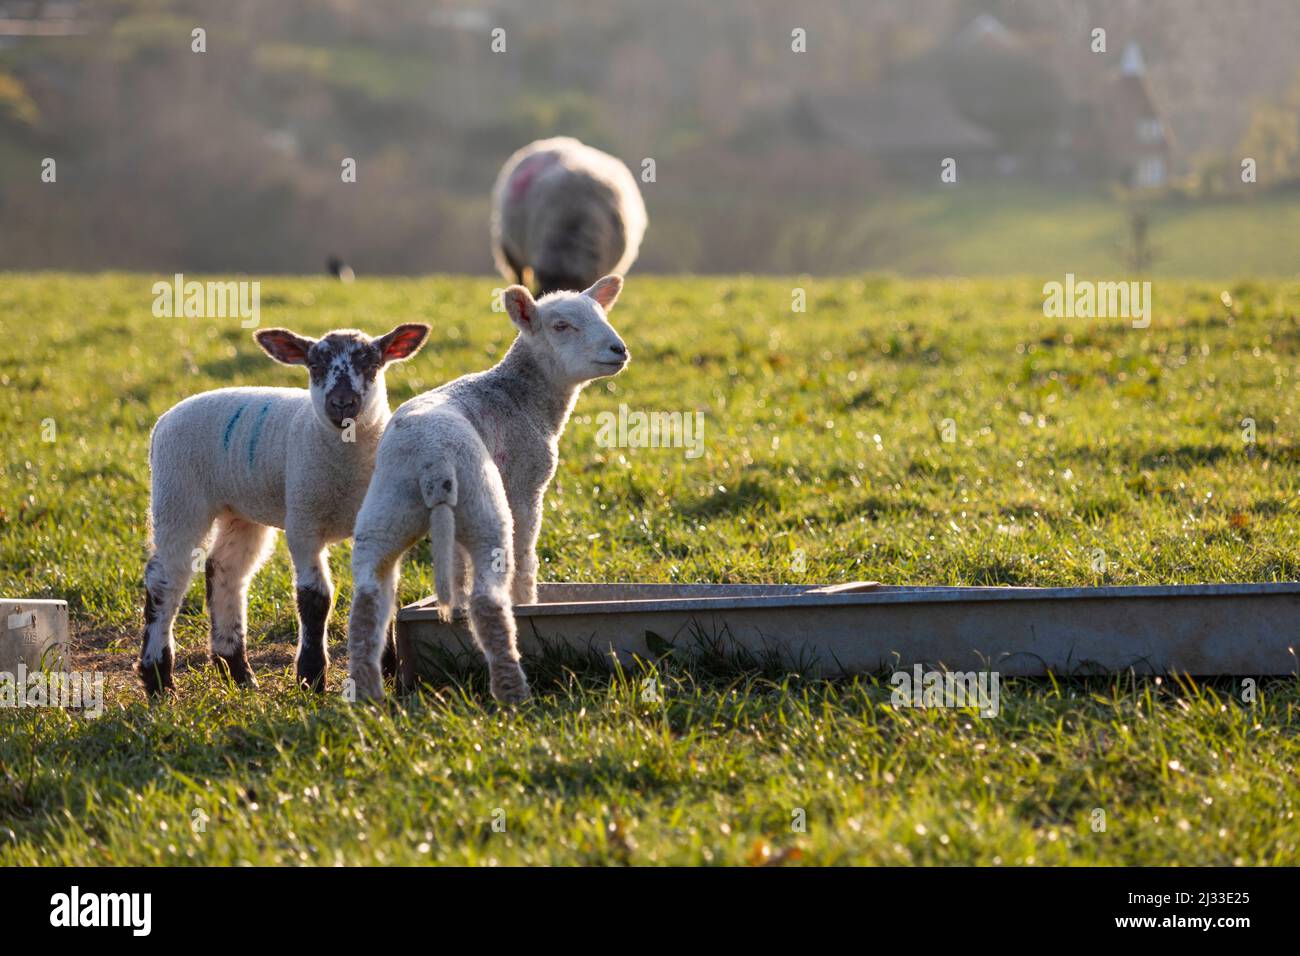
865,627
33,635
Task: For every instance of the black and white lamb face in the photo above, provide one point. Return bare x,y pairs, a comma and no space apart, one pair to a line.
345,366
569,332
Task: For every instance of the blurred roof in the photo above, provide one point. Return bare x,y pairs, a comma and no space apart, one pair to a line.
912,111
988,31
1132,63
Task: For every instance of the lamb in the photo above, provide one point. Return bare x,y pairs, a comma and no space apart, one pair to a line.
564,214
468,463
253,459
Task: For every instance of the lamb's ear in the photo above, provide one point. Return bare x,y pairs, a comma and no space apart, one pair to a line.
606,290
523,310
403,342
284,346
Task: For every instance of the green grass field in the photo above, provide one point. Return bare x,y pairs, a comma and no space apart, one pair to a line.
825,452
978,231
990,227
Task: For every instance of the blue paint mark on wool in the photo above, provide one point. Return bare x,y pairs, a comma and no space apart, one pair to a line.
257,433
230,427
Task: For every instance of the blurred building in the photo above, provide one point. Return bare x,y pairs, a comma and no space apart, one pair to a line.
990,98
1138,142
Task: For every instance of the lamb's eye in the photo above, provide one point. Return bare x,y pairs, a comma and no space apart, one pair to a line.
561,326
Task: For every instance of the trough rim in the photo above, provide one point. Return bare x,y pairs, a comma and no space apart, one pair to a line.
800,596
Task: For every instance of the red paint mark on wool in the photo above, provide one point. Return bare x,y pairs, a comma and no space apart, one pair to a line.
522,178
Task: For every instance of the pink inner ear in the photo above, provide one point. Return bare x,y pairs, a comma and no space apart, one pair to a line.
402,344
606,292
525,309
284,348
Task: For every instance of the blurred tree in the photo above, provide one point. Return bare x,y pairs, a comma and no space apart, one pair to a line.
1273,139
15,105
1136,249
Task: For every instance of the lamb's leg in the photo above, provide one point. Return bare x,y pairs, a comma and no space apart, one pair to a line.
238,551
374,597
493,625
166,578
388,663
462,584
315,594
386,526
483,526
528,522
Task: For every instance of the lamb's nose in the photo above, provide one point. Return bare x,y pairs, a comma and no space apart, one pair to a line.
618,348
343,405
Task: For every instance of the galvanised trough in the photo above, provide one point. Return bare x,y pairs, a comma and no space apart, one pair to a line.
33,634
865,627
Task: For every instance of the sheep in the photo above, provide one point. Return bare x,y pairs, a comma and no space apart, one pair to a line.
339,269
253,459
564,214
468,464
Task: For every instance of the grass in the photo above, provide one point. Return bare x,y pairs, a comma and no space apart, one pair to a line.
986,228
825,461
978,230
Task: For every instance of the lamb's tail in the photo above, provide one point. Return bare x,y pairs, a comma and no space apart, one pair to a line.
438,487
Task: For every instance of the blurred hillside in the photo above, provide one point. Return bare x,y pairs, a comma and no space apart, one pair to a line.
765,159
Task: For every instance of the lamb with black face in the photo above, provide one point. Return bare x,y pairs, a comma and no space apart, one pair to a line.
244,461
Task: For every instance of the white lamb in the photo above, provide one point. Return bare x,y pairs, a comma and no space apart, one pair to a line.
253,459
468,464
564,214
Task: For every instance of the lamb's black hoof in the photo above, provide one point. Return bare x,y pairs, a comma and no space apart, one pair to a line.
235,667
157,677
311,672
388,663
